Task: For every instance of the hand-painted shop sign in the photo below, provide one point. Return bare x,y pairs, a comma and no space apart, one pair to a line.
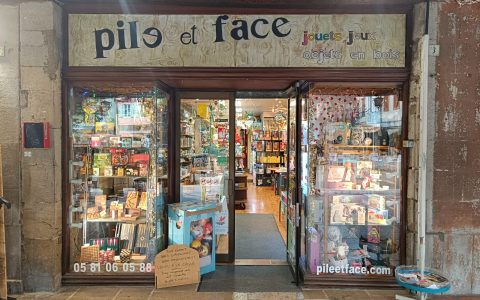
237,40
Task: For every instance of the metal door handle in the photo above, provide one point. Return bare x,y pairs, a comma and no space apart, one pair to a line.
297,214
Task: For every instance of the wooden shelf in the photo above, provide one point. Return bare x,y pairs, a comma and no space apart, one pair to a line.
118,176
119,220
185,176
358,146
268,141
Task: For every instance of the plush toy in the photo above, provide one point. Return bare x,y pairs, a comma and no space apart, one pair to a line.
204,250
196,231
196,244
334,239
207,231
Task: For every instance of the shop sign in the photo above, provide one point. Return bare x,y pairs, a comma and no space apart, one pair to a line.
237,40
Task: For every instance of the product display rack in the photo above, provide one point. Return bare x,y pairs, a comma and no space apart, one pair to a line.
186,146
352,191
270,152
117,175
263,176
366,218
240,189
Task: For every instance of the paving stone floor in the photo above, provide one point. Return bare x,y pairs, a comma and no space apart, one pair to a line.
189,292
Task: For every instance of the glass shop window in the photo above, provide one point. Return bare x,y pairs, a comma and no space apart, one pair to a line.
352,182
118,178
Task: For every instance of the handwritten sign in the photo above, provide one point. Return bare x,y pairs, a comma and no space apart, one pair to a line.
314,41
177,265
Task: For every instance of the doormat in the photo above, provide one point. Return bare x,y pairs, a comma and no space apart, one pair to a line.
257,237
249,279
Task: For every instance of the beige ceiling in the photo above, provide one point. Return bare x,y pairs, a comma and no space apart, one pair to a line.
257,106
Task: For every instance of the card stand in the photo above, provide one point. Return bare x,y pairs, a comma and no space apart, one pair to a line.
410,277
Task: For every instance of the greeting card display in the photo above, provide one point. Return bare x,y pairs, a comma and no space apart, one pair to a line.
275,135
105,127
266,135
276,146
259,146
268,146
143,201
364,168
132,200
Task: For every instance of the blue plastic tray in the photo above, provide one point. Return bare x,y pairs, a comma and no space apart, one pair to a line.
414,287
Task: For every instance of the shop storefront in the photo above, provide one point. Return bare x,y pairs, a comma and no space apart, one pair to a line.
134,85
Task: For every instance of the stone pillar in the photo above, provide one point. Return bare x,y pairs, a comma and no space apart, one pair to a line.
40,101
10,139
31,92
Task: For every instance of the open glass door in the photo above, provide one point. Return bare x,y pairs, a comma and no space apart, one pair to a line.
292,203
205,168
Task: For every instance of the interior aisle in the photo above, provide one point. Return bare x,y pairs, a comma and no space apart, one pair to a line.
262,200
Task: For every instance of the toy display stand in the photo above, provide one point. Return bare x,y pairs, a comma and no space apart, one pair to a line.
410,277
192,224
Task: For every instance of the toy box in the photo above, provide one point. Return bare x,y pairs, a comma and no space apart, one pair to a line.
193,224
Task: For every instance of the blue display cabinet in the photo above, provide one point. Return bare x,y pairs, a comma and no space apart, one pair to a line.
193,224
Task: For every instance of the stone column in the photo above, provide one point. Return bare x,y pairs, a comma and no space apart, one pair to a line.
30,91
10,138
40,101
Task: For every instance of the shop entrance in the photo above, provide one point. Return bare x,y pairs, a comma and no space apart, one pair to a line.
261,181
235,150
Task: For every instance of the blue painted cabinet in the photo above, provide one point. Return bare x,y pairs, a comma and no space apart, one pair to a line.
193,224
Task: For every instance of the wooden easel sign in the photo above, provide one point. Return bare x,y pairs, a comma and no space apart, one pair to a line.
177,265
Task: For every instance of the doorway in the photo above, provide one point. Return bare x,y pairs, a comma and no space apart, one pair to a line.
236,152
260,181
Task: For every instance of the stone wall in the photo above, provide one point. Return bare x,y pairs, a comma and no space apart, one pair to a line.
10,138
453,225
31,91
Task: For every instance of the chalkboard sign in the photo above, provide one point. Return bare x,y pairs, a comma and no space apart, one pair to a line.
36,135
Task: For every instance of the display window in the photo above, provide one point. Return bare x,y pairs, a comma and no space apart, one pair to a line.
118,172
204,159
351,181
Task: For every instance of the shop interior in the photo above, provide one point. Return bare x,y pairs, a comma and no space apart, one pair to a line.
260,178
260,169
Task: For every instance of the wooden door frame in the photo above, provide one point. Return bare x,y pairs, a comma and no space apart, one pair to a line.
182,94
